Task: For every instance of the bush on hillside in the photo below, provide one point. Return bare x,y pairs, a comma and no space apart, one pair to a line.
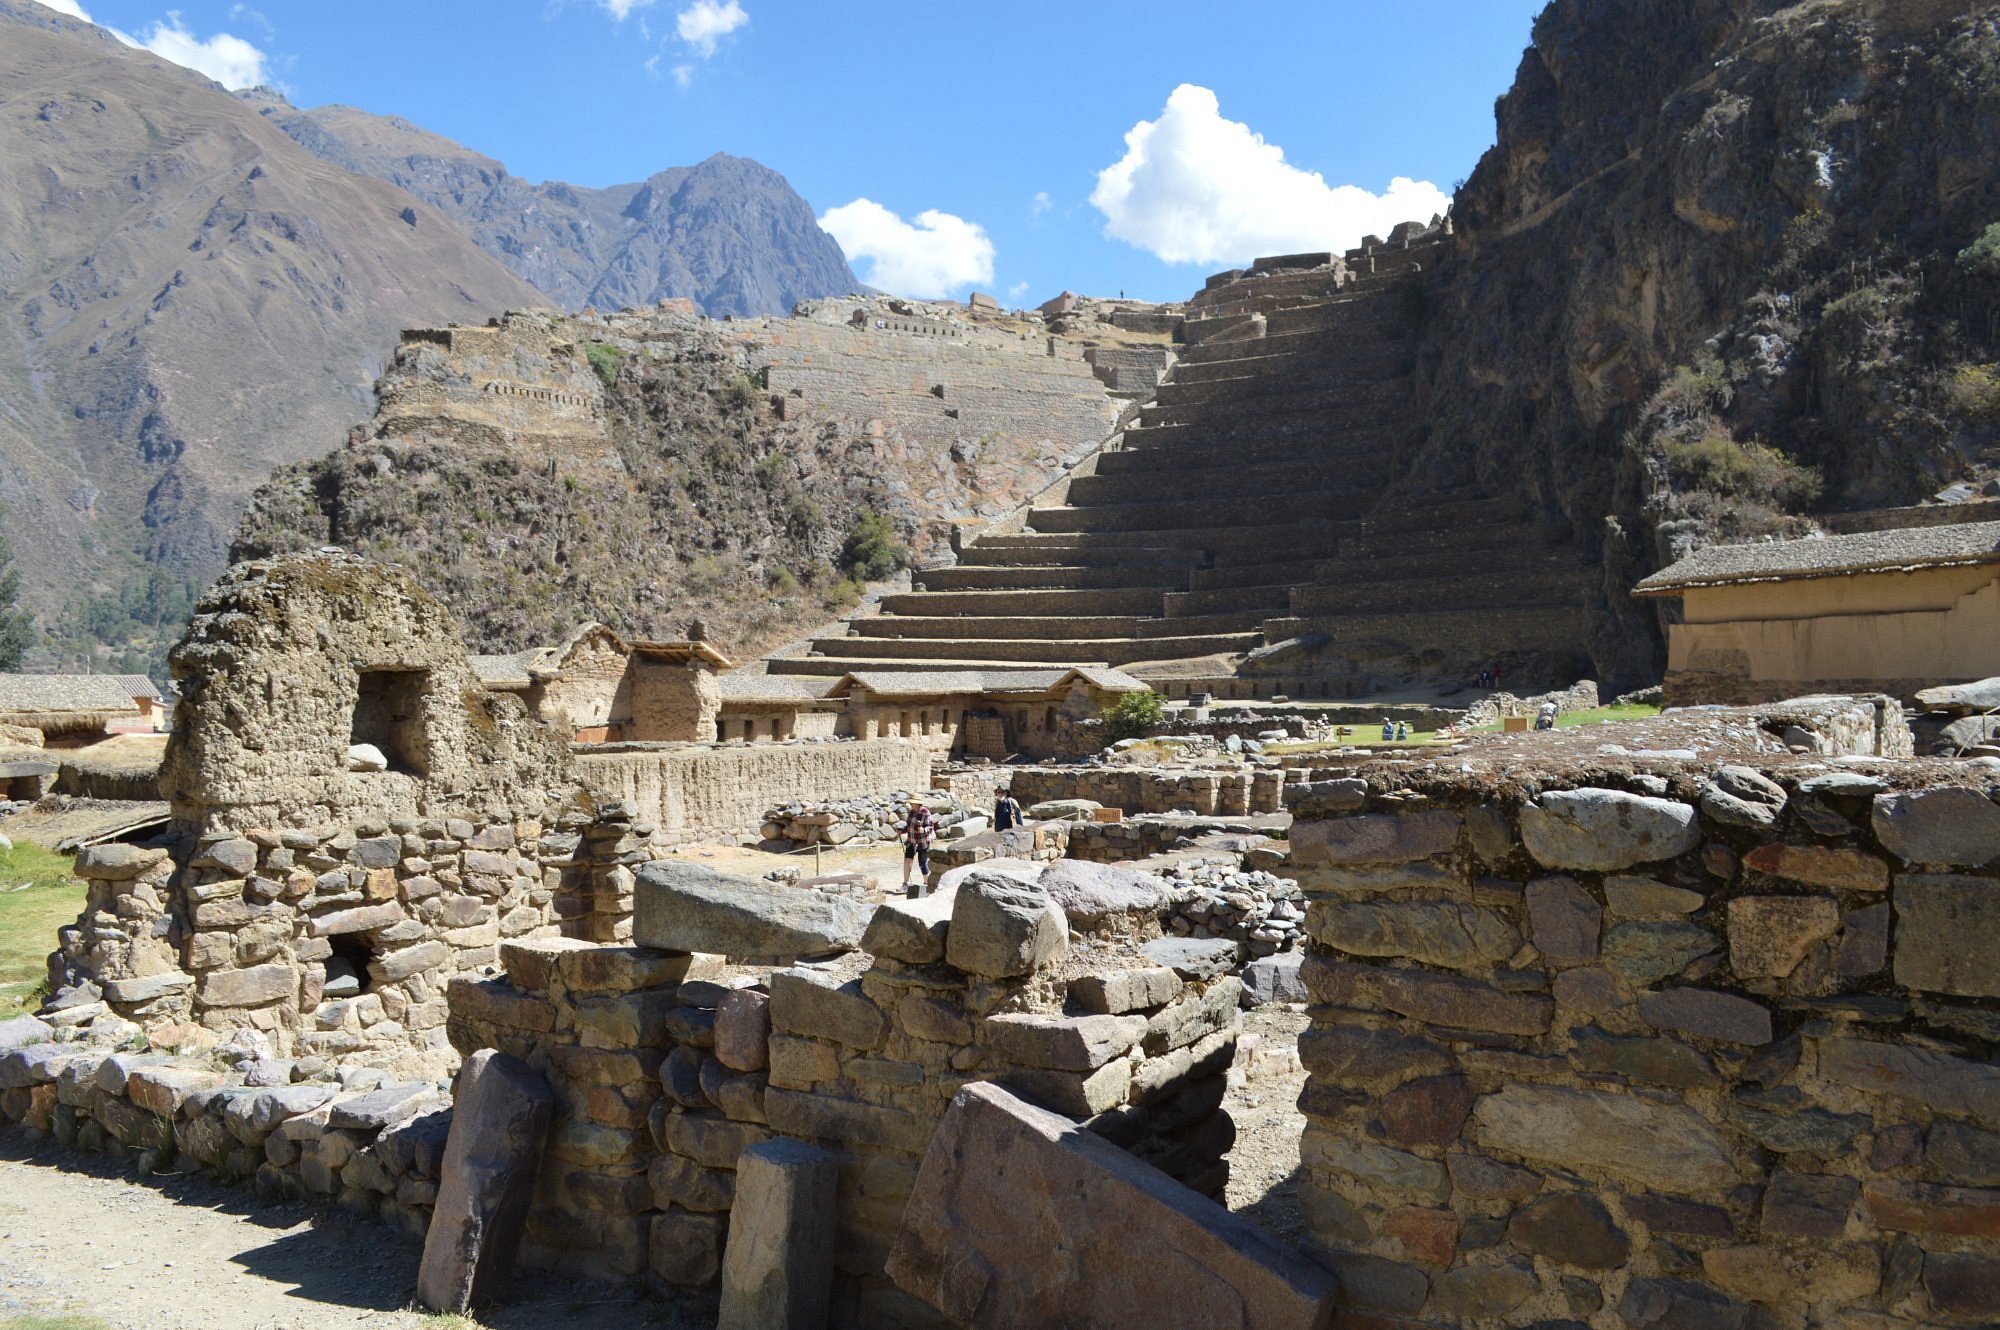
1134,716
872,551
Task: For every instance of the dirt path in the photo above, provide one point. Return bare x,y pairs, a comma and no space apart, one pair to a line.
1264,1102
78,1235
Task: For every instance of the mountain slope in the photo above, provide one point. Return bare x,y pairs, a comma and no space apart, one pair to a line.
1708,281
728,234
188,299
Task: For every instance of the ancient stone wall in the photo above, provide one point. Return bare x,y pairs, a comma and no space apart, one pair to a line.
377,1149
511,382
691,788
1674,1047
1236,791
664,1076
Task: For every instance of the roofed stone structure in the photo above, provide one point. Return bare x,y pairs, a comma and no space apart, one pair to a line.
290,662
66,704
1900,550
1890,611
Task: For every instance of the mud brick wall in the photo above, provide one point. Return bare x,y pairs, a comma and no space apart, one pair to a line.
234,931
1675,1048
374,1148
663,1076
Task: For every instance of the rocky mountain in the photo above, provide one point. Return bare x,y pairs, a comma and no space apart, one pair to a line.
728,234
188,299
1727,272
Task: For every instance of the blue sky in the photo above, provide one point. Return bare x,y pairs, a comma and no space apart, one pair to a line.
947,145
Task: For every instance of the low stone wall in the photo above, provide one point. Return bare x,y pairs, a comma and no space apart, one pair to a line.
663,1077
375,1149
692,788
1155,833
1210,791
1682,1047
337,942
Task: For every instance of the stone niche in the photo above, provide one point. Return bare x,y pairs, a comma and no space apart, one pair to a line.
292,661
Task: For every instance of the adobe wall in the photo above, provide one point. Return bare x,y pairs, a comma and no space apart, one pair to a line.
1651,1043
684,789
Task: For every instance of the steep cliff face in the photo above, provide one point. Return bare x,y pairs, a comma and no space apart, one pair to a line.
728,233
1709,280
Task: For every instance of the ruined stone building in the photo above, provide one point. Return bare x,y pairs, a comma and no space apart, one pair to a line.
1886,611
604,689
993,713
71,710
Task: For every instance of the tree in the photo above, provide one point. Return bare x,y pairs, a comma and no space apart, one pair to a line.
15,633
1134,716
872,551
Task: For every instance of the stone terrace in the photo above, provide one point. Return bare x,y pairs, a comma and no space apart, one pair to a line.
1260,496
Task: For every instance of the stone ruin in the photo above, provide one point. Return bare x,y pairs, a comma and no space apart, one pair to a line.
1686,1023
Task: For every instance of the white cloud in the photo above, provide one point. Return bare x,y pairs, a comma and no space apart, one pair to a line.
622,9
69,7
932,256
1040,204
683,76
1193,187
705,22
229,60
1016,291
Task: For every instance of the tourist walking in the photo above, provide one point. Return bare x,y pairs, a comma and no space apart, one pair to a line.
919,824
1006,813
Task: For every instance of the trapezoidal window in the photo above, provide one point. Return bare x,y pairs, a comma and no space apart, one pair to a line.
389,713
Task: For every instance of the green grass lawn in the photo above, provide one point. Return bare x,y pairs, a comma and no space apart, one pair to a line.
1596,716
37,896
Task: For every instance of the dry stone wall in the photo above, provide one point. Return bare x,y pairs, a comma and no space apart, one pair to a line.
687,789
1237,791
1674,1047
666,1068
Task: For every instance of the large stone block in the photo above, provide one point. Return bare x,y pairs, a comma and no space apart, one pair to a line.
1449,933
805,1002
1603,831
1951,827
1948,933
679,906
1940,1082
911,931
1667,1147
248,988
1127,1233
1063,1043
1119,991
1436,999
1770,935
1565,919
500,1122
1707,1014
1821,866
777,1267
1374,838
1090,894
1002,927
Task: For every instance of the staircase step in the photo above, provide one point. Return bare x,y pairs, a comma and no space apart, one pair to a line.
1260,510
1457,635
1172,447
1059,627
1514,587
1113,651
1055,576
1337,403
1066,601
1223,477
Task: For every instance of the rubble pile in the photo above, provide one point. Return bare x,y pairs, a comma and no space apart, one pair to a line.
1216,898
871,820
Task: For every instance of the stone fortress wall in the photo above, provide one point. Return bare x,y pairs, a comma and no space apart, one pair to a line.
519,381
1654,1044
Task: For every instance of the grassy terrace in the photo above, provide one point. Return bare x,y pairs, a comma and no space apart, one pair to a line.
1370,736
37,896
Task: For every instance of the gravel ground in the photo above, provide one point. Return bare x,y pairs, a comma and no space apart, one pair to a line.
79,1236
1264,1101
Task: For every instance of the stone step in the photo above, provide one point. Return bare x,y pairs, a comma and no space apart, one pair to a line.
1331,403
834,666
1031,550
1260,510
1265,601
1296,353
1062,628
1384,424
1227,479
1365,318
1080,601
1252,571
1028,577
1112,651
1518,583
1172,447
1458,637
1389,558
1333,365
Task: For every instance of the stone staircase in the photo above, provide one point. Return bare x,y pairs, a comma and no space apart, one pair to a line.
1254,500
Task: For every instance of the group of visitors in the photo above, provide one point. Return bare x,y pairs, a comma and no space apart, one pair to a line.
1490,678
1395,731
920,829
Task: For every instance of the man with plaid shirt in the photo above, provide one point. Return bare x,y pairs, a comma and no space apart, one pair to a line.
919,825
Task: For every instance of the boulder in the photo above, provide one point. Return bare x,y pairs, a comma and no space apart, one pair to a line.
500,1120
1951,826
686,907
366,757
1027,870
777,1267
911,930
1063,810
1962,699
24,1030
1270,979
1193,958
1603,831
1090,894
980,1253
1002,927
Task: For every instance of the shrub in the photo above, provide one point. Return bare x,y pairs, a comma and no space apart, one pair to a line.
1974,391
872,551
604,361
1981,258
1747,471
1134,716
